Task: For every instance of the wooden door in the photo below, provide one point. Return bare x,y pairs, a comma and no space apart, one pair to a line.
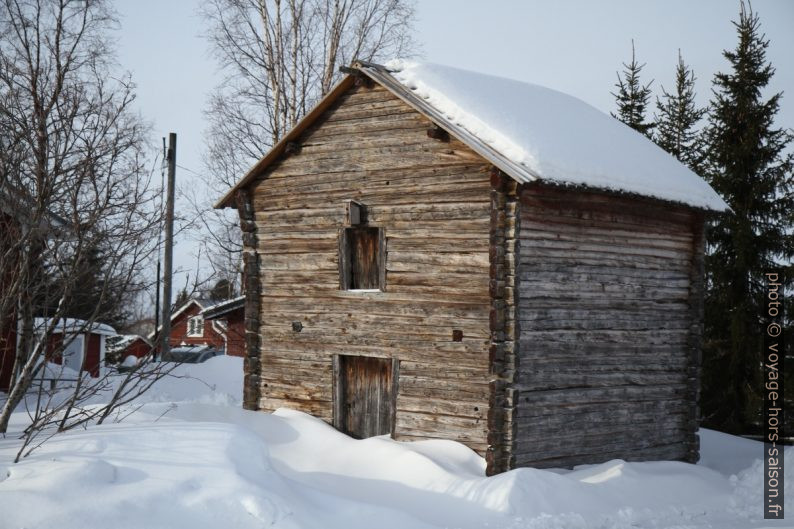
364,397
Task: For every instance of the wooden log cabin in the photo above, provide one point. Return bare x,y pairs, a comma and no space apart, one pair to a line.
435,253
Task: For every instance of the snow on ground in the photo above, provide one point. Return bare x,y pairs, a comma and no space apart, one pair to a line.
191,457
554,136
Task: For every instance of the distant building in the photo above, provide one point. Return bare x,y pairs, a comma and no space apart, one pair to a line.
124,345
14,219
76,344
228,317
201,325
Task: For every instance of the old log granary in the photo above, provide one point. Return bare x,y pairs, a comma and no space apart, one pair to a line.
436,253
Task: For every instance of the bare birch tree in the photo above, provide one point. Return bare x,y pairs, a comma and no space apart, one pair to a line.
74,174
279,57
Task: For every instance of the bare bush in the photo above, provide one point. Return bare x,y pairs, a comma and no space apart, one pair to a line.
74,179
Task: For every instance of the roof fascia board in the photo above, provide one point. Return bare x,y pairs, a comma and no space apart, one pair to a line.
341,87
380,75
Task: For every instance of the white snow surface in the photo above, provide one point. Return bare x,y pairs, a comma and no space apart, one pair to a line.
556,137
191,457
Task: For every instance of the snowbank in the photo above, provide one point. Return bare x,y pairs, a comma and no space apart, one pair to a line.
192,458
554,136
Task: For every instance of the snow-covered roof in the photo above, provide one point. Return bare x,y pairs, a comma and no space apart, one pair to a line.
122,341
552,136
73,325
20,205
528,131
223,307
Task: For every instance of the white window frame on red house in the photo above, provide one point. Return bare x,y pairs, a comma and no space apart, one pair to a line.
195,327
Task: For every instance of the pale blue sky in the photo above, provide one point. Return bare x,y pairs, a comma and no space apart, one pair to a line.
571,46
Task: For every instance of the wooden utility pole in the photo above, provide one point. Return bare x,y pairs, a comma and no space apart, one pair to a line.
165,333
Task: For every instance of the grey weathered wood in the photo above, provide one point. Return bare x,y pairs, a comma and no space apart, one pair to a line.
433,250
605,293
539,325
365,395
355,213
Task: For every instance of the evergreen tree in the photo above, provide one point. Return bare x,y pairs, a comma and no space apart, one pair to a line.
632,97
749,164
182,297
678,117
97,296
223,289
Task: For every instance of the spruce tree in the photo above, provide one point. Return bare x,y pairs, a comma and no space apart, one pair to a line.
182,297
749,164
96,296
632,96
677,119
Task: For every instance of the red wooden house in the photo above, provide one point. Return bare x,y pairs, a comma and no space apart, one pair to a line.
194,330
126,345
15,218
229,318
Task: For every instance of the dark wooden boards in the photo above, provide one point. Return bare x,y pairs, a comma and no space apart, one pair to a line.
607,304
364,395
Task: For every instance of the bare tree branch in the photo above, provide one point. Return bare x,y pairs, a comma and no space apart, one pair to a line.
279,57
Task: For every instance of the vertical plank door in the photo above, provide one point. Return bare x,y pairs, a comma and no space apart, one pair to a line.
365,396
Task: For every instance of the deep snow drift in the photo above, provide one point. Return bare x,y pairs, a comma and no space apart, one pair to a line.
192,458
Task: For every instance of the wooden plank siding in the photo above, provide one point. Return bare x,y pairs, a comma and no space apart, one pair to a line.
538,325
432,200
609,329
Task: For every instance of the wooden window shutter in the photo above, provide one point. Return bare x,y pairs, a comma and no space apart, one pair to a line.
362,258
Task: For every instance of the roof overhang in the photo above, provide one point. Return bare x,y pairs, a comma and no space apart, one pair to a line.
223,308
383,76
278,149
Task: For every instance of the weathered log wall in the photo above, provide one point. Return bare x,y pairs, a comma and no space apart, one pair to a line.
432,199
609,324
252,363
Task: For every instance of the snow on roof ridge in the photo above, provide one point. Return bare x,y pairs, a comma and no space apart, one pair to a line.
73,324
218,304
554,135
463,118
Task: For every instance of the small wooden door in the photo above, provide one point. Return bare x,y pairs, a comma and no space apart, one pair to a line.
364,395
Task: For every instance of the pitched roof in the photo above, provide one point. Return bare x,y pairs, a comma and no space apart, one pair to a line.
201,303
528,131
73,325
222,308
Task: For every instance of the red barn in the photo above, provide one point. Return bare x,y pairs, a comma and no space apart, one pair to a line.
8,340
8,336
